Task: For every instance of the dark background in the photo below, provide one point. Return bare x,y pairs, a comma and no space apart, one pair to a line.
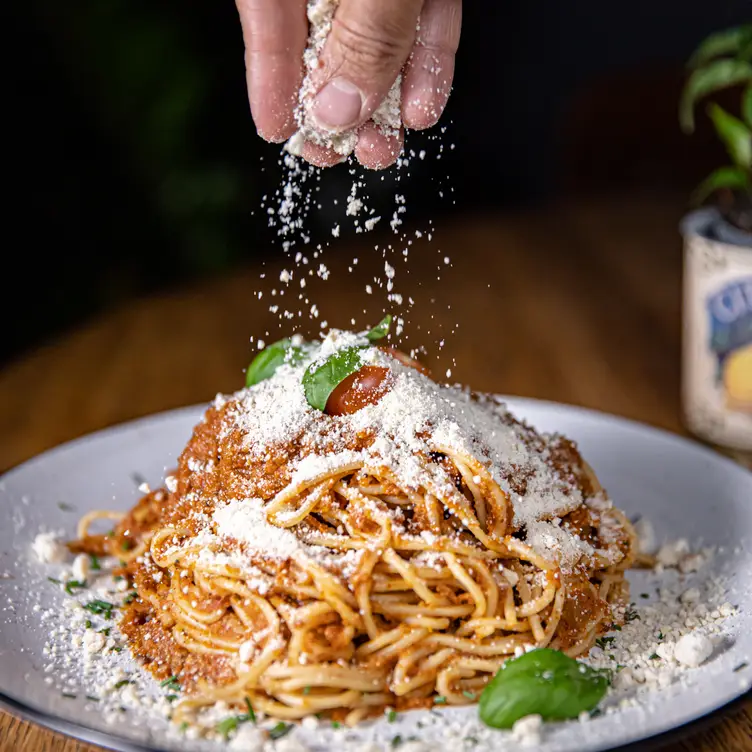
133,165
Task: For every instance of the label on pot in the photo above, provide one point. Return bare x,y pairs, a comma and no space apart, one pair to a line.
717,369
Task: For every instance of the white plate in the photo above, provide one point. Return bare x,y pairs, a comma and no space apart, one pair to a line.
685,490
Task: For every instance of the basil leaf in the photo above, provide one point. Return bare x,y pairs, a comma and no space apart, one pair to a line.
542,682
381,329
320,381
265,364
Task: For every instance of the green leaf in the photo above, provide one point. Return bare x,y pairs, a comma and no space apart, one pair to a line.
280,730
319,381
726,42
733,178
735,135
718,75
266,363
381,329
544,682
747,105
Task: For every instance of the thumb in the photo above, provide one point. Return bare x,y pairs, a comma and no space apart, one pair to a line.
369,43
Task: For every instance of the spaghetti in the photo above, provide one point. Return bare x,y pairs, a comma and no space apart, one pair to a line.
394,556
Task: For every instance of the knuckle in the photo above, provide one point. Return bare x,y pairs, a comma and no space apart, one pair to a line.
367,48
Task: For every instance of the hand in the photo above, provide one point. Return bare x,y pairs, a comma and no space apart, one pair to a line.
370,43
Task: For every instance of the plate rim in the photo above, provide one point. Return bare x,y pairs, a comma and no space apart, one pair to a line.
517,403
79,732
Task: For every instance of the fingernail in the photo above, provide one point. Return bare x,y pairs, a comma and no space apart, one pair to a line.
338,105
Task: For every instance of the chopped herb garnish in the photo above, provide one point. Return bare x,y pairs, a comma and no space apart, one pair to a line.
69,696
183,727
171,683
122,683
619,667
741,666
307,690
87,624
127,545
469,695
603,642
660,636
440,700
117,649
72,584
171,698
280,730
100,607
644,595
391,716
631,615
130,597
655,657
54,581
65,507
616,627
396,741
251,714
336,724
118,577
227,726
95,565
105,631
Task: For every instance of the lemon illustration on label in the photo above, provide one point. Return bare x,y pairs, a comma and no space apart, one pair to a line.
737,380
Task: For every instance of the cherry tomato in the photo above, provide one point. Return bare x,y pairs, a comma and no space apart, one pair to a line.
364,387
406,360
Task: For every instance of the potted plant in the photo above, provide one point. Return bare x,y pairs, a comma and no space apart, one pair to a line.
717,362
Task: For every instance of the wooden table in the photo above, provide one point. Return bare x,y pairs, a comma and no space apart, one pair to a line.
578,303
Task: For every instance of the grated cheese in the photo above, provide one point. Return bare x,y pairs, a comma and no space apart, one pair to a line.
527,731
49,549
387,117
416,417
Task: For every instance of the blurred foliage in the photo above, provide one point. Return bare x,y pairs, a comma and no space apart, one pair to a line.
160,91
723,61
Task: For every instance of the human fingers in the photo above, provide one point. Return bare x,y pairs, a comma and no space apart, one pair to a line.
275,33
321,156
376,150
367,47
430,68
